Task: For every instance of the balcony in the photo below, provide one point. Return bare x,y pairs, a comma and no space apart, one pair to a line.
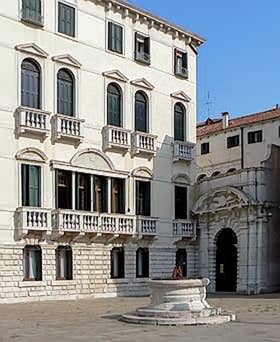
144,143
182,72
116,138
107,226
184,229
183,151
32,220
32,121
67,128
147,227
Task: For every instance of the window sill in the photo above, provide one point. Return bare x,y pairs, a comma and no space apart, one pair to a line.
63,282
63,35
32,283
122,55
141,280
32,23
117,281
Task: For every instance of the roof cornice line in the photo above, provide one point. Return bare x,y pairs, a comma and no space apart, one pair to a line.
152,20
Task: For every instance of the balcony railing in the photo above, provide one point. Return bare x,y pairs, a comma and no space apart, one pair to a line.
183,151
30,219
144,143
184,229
67,127
147,226
116,138
34,121
70,221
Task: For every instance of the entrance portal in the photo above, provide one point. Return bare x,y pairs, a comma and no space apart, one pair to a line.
226,261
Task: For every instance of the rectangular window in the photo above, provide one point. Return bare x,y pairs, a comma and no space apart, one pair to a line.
31,185
181,203
142,48
32,263
32,11
64,264
83,192
233,141
66,19
181,63
205,148
117,263
255,137
118,196
115,38
63,189
100,194
143,198
142,263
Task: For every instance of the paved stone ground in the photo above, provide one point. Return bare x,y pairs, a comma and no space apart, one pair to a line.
97,320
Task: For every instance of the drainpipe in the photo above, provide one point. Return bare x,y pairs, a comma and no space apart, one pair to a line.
242,147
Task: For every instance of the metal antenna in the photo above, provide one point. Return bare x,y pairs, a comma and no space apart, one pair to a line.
208,104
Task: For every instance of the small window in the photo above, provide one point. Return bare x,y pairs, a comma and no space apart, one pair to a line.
115,38
233,141
255,137
142,48
31,185
179,122
142,263
32,11
181,203
279,132
100,194
118,196
231,170
114,105
205,148
66,19
141,111
32,263
65,92
143,198
83,192
201,177
63,189
181,63
30,84
181,261
64,263
117,263
216,173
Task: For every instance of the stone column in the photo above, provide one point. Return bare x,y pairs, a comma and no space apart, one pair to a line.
242,276
204,244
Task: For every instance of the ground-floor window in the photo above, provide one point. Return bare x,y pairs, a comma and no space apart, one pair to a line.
181,261
64,263
117,263
32,263
142,263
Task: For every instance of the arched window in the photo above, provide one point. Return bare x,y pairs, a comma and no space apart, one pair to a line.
231,170
142,263
65,92
114,105
32,263
215,174
117,263
181,261
141,111
30,84
201,177
179,122
32,10
64,263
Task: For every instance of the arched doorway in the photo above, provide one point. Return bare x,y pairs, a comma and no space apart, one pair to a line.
181,261
226,261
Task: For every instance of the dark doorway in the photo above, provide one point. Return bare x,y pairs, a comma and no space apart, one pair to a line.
181,261
226,261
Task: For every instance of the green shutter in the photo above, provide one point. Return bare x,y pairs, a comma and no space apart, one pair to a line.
110,36
185,60
34,186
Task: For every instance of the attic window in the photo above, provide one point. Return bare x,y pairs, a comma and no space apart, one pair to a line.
181,63
142,48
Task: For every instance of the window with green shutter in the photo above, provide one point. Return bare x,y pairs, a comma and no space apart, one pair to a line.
30,84
31,185
143,198
114,105
66,19
179,122
32,11
115,38
141,112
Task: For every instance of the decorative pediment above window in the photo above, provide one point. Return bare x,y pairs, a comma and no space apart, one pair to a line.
67,59
92,159
142,172
32,154
181,179
116,75
181,95
33,49
143,83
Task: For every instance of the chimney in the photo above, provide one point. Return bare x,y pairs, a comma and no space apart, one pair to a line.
225,116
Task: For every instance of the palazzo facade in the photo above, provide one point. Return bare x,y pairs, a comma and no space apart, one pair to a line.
97,137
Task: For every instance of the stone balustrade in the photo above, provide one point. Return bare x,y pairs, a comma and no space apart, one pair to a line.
67,127
116,138
144,143
147,226
183,151
32,121
184,229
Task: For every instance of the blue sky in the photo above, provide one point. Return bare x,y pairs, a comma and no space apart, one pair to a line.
240,62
